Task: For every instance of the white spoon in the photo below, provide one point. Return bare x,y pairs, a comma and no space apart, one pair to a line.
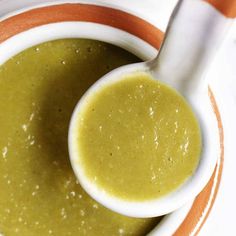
194,33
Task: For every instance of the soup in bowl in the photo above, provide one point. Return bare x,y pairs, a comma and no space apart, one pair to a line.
41,81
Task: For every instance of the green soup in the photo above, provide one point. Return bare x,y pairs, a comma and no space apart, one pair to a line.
138,139
39,193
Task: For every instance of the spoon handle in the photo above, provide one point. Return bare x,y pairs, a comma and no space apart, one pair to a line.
194,33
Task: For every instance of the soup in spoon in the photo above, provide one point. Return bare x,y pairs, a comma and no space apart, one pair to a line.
137,138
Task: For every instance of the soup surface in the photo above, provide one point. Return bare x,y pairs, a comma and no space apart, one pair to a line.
138,139
38,91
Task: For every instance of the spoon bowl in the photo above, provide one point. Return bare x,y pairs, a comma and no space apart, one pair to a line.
173,200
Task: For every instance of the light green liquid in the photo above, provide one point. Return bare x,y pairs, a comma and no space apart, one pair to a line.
138,139
39,195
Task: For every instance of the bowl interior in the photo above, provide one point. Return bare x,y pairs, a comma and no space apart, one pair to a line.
19,39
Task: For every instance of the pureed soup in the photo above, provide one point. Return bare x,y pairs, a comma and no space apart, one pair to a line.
39,194
137,138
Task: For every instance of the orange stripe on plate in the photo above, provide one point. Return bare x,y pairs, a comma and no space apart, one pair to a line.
226,7
80,12
208,195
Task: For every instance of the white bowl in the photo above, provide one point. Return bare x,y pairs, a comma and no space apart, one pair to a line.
44,31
